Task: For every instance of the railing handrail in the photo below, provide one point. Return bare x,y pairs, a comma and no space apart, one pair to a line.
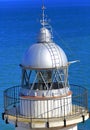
19,87
79,100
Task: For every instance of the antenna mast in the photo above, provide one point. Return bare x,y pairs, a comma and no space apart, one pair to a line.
43,20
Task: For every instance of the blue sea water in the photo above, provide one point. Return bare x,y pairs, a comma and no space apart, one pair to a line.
18,30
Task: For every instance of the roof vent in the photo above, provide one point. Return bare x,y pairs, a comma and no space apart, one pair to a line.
44,35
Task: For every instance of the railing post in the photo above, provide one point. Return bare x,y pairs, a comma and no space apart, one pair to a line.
3,115
14,98
86,100
16,117
6,121
83,118
64,114
5,100
31,112
16,123
64,122
47,123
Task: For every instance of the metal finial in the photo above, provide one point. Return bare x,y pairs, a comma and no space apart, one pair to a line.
43,20
43,15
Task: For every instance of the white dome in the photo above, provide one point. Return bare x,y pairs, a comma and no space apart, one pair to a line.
44,55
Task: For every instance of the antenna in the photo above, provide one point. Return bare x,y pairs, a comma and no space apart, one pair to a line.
43,20
43,15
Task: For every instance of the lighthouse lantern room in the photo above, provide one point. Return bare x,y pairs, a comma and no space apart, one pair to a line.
45,99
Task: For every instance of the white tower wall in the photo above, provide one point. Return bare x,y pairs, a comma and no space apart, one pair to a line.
33,107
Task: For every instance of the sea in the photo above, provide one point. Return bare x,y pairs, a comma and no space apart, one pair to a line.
18,30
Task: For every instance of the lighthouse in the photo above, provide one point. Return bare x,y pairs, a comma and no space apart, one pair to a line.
45,99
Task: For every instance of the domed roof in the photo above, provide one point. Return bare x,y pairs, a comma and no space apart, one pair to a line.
44,54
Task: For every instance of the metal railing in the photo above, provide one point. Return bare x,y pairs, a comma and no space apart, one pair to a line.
77,104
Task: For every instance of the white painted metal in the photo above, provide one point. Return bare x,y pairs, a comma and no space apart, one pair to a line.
73,127
51,93
32,107
44,35
39,56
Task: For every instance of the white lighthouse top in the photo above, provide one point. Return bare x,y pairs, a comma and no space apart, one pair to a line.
45,53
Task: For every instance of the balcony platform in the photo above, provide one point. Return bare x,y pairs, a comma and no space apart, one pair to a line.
60,122
58,116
